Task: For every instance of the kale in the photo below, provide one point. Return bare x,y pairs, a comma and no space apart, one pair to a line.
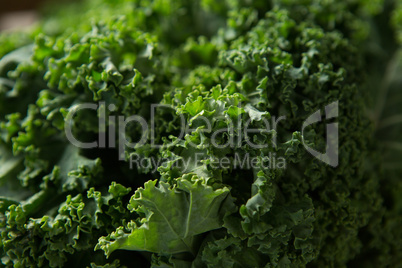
124,142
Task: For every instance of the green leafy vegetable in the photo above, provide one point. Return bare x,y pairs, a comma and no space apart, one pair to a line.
177,215
185,80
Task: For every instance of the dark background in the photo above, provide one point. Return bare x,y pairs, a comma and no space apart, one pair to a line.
19,5
20,14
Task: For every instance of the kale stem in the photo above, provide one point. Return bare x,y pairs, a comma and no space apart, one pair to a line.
385,85
393,145
390,121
